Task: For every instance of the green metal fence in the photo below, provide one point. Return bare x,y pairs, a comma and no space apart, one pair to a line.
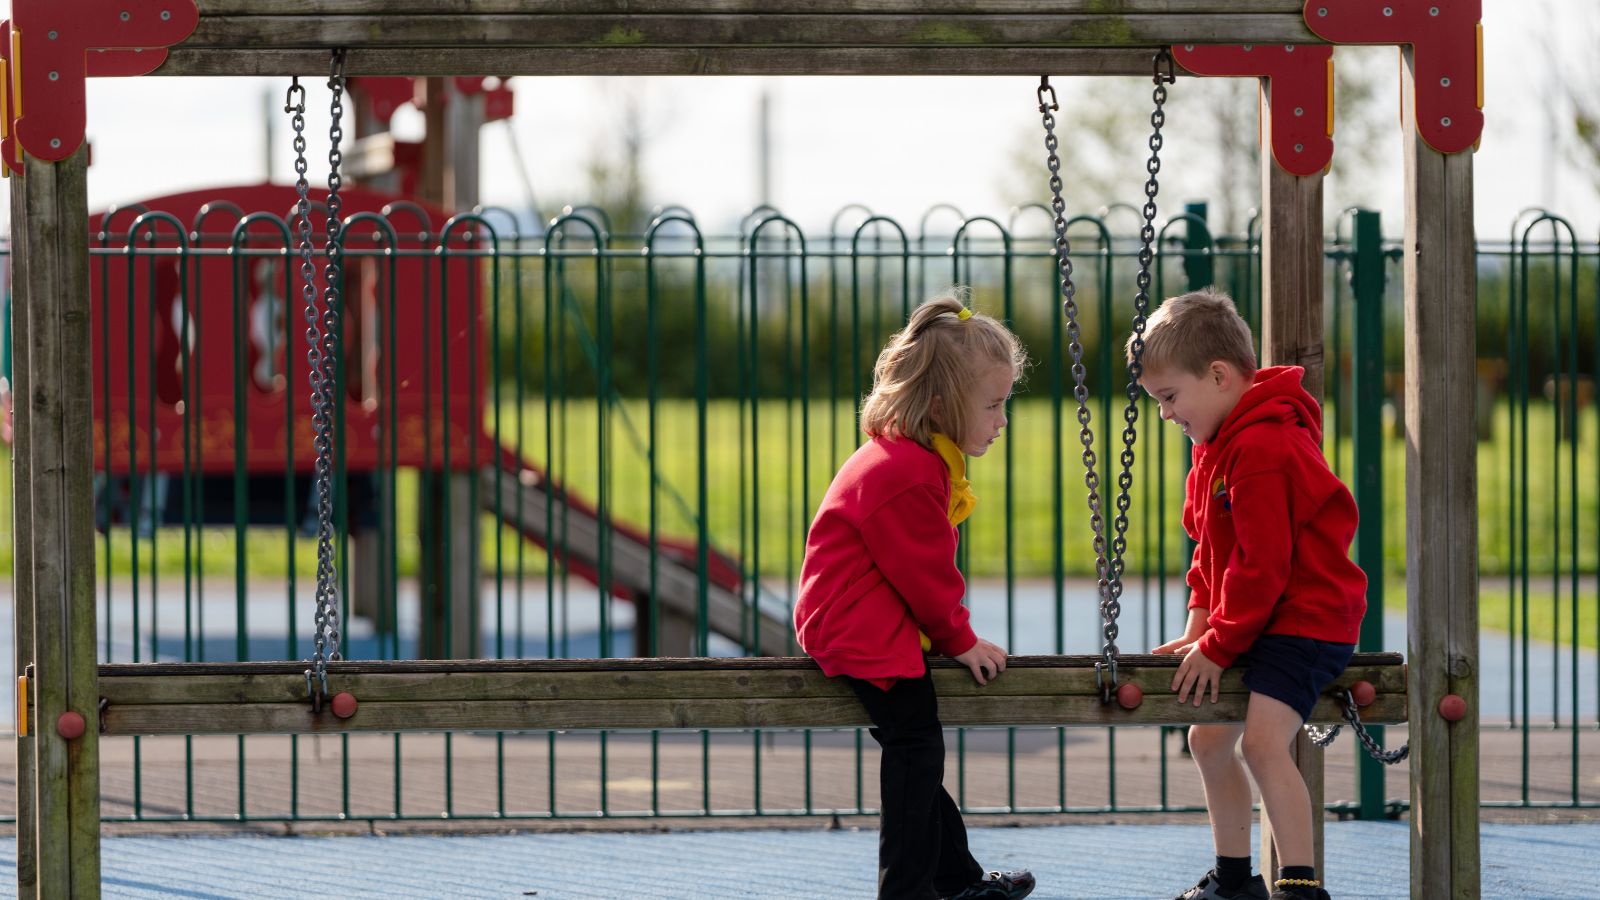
684,398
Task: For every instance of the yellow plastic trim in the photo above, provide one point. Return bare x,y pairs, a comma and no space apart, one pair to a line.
1330,96
22,706
1480,65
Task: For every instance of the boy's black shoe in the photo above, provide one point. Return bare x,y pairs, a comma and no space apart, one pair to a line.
1290,895
1209,888
998,886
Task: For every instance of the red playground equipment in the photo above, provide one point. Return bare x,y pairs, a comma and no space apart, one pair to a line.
208,283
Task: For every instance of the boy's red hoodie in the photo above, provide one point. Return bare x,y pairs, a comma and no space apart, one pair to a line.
1273,525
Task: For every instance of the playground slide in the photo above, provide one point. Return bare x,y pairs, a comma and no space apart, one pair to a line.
677,579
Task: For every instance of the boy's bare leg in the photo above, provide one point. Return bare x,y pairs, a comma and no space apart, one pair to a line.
1227,786
1269,730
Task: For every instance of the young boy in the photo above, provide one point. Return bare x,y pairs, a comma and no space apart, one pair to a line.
1272,585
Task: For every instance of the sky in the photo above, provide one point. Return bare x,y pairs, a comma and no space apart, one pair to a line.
896,145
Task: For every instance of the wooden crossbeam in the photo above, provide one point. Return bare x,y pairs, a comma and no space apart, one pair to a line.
763,692
667,61
643,8
728,37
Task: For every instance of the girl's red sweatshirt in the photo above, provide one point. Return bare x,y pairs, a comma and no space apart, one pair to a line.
1273,525
880,565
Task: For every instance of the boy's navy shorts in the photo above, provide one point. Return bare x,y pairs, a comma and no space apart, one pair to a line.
1293,669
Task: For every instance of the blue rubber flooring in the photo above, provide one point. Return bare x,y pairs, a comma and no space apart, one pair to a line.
1365,859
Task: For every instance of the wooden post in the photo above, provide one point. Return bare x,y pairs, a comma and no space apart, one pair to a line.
446,503
22,565
57,542
1291,334
1441,509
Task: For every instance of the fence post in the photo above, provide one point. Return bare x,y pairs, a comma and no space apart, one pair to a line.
1367,278
1199,266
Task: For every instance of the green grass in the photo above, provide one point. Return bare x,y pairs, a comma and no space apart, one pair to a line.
759,496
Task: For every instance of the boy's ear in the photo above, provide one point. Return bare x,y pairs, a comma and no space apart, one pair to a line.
1222,374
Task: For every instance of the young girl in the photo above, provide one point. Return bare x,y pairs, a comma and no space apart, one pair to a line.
879,586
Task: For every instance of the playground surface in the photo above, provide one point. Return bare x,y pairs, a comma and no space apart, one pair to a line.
1365,859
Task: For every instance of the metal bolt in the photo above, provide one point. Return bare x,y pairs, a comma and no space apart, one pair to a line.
1322,11
1288,48
1433,10
165,15
1248,47
1445,81
1445,121
1188,46
1299,111
1299,148
55,76
1388,10
125,16
52,35
55,143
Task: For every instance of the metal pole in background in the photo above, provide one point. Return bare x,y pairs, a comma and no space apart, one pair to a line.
1366,282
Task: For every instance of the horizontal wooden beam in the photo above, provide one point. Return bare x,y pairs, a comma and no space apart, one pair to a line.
268,698
763,30
717,37
210,8
666,61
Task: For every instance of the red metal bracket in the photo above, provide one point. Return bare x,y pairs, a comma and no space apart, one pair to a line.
56,44
386,94
497,100
1447,39
1301,93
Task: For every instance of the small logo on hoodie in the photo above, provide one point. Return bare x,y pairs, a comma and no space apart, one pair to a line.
1219,493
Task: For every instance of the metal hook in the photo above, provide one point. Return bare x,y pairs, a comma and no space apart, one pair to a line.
1171,76
1044,86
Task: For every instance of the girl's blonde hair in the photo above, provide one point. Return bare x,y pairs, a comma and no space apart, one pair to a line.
939,354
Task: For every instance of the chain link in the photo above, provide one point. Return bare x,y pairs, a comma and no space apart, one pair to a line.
1323,737
1108,565
322,328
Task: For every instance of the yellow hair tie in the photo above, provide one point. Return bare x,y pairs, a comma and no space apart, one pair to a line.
965,314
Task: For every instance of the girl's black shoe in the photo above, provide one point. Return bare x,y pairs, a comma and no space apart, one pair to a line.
1209,888
998,886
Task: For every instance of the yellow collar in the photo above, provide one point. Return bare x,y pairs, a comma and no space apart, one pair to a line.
962,499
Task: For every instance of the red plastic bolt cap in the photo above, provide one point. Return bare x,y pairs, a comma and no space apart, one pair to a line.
1130,696
1363,693
1452,707
344,704
70,725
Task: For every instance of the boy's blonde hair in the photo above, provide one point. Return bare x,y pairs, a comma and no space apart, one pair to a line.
1190,331
939,354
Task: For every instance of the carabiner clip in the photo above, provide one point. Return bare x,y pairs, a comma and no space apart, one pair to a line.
1044,86
1171,74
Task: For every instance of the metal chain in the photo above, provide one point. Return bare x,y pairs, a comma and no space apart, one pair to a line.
1108,566
1323,737
322,328
1111,597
